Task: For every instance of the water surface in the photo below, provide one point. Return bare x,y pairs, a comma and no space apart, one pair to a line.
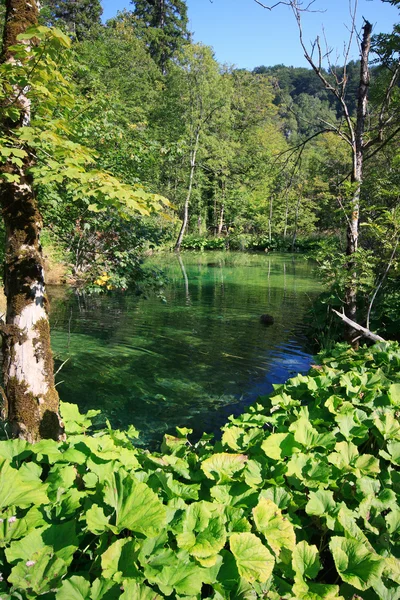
197,357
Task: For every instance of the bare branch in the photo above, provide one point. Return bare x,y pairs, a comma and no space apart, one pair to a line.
363,330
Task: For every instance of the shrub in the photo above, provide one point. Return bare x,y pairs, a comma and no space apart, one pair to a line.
299,499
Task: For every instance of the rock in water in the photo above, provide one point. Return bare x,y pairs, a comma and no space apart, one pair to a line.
267,319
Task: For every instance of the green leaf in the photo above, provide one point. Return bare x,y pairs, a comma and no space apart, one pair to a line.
21,492
137,507
96,520
306,560
394,394
74,588
278,446
355,563
223,467
41,572
320,503
277,529
203,534
138,591
118,561
306,435
254,561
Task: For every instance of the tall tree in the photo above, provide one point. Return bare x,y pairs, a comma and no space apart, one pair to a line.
31,399
356,131
76,17
166,22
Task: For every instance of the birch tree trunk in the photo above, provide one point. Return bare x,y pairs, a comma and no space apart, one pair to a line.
356,178
189,193
30,397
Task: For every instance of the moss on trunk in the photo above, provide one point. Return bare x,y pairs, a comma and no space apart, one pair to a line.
31,397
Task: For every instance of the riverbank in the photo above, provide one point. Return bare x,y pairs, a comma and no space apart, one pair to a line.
288,504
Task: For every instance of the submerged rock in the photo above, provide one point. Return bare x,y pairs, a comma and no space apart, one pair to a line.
267,319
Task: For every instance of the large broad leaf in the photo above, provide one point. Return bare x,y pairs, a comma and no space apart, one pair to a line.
118,561
320,503
278,446
41,573
103,589
61,538
23,492
203,532
96,520
74,588
355,563
309,437
137,507
222,467
138,591
175,572
12,528
254,561
277,529
11,448
306,560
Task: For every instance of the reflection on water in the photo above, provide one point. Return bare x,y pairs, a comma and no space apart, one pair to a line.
195,359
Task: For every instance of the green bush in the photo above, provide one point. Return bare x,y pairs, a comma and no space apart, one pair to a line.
198,242
299,500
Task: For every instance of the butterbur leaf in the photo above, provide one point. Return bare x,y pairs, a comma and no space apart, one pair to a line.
276,528
278,495
22,492
104,589
355,563
185,578
205,543
118,561
74,588
254,561
306,560
137,506
41,573
394,394
223,467
96,520
320,503
309,437
278,446
138,591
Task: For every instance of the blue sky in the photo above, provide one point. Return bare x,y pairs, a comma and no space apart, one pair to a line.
244,34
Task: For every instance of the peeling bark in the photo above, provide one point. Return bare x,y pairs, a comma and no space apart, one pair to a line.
28,377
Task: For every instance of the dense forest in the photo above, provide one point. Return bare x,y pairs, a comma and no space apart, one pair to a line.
119,139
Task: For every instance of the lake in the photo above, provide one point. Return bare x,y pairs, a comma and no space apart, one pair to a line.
194,357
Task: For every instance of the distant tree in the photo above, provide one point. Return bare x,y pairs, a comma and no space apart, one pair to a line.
76,17
166,22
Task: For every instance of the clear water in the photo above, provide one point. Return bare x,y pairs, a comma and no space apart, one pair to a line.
195,359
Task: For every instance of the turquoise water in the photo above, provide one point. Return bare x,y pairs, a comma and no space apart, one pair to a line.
197,357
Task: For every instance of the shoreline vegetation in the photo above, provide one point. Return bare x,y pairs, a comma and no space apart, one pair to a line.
299,499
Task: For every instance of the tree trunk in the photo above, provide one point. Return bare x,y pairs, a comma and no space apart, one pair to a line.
296,222
270,219
357,173
30,395
222,210
189,194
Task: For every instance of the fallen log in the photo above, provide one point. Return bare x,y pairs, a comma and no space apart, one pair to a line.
363,330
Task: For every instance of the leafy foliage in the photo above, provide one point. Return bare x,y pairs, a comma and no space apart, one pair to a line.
299,499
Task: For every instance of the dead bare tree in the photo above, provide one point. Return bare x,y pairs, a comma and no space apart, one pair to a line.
352,129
